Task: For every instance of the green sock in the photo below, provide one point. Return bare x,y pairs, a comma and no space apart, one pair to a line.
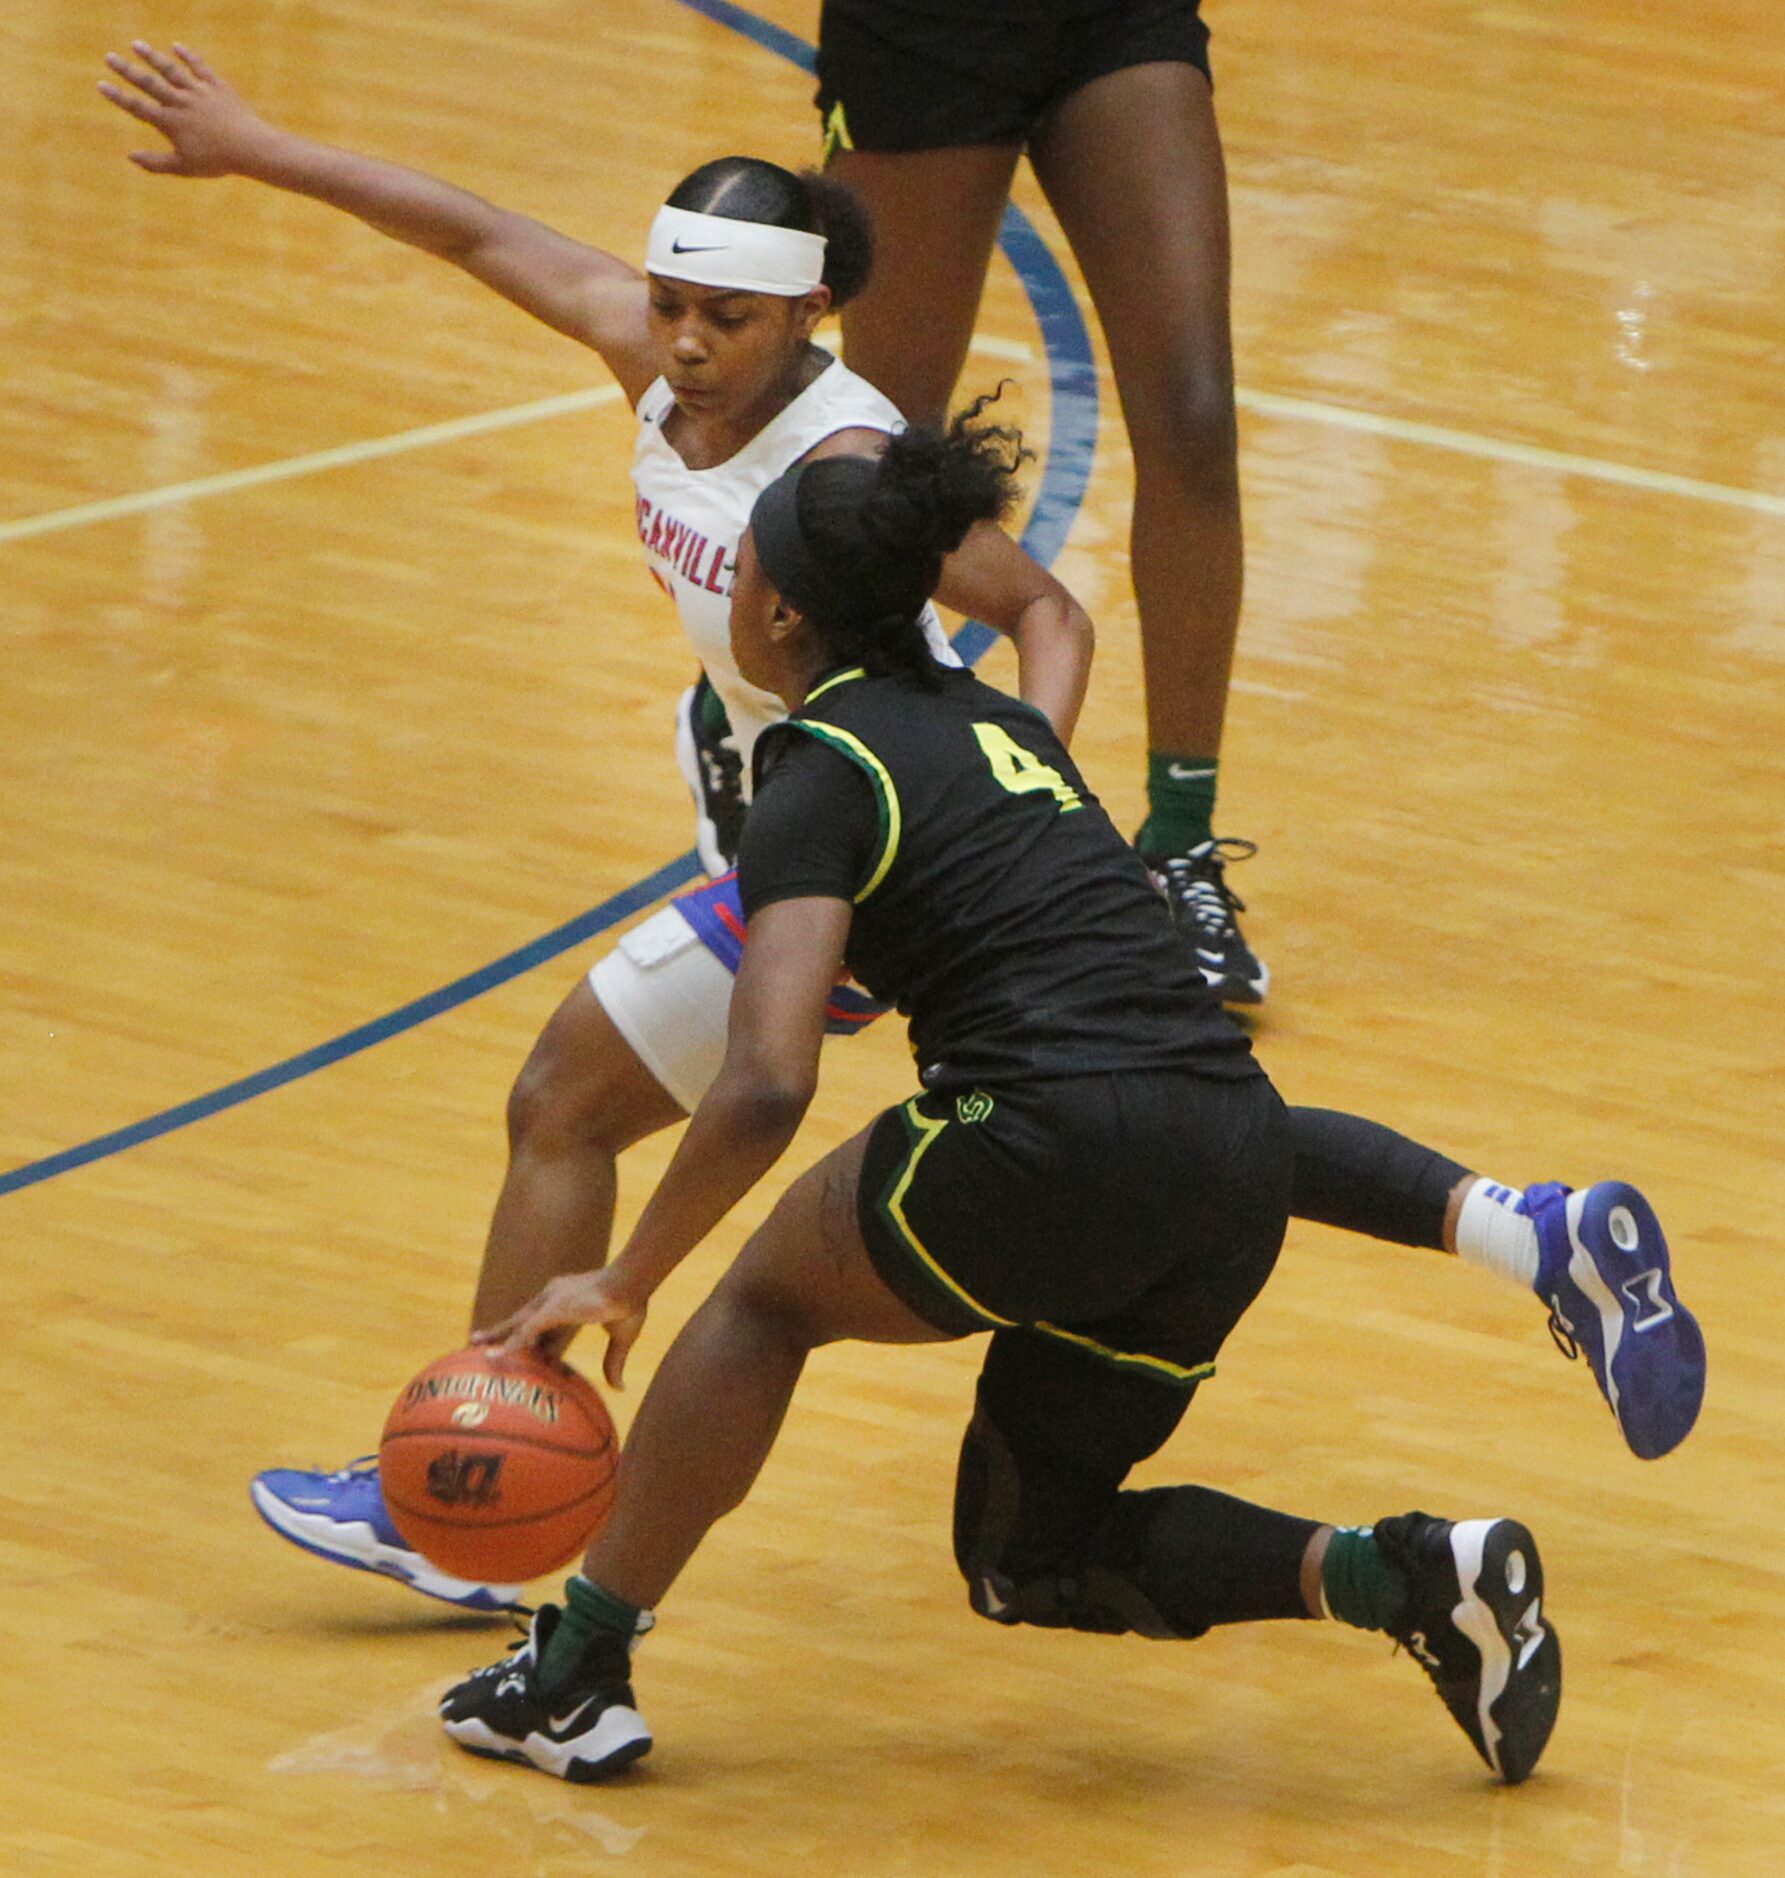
1361,1587
1180,803
591,1615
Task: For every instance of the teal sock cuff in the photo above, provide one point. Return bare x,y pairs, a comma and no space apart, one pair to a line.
598,1608
1361,1587
1180,803
591,1616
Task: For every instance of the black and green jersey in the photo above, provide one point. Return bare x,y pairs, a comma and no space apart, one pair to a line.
995,903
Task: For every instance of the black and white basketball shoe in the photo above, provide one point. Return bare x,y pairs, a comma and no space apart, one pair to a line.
1475,1622
1204,909
583,1732
713,769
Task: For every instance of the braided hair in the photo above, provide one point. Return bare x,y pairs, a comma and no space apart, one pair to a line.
856,544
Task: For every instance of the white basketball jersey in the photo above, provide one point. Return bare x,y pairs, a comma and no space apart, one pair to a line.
690,522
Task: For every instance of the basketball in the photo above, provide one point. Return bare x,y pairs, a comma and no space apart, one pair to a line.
498,1467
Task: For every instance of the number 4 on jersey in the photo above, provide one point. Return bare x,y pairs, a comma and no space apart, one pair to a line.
1021,770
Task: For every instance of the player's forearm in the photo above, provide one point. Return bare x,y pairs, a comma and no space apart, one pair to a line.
739,1132
403,203
1054,641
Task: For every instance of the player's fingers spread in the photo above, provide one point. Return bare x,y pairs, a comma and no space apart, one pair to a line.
194,64
124,100
131,102
150,82
169,68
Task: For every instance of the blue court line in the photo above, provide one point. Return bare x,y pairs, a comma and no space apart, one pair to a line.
1072,378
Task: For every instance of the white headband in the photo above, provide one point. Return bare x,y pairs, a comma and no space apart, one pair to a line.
749,257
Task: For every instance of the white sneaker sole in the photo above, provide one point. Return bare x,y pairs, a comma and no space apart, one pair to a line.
1501,1656
353,1543
618,1738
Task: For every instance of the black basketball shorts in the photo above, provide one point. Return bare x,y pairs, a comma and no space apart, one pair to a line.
918,75
1133,1216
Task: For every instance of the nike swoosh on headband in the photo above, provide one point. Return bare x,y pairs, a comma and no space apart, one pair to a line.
688,247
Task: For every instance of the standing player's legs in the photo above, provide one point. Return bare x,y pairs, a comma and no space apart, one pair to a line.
1131,163
583,1097
936,215
627,1053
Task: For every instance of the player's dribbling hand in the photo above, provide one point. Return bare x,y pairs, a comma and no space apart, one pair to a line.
548,1321
211,131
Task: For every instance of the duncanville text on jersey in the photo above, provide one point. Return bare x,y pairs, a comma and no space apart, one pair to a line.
686,549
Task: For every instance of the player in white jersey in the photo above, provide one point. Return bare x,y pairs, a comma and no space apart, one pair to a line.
712,345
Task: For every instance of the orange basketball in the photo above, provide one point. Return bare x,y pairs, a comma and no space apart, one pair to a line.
498,1468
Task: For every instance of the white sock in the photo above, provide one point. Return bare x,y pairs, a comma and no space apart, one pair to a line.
1491,1234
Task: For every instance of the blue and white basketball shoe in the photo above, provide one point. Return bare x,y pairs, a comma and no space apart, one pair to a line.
1604,1272
341,1516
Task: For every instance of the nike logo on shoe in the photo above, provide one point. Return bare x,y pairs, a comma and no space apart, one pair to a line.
1182,772
559,1723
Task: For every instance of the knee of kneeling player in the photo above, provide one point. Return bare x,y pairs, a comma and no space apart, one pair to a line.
1043,1551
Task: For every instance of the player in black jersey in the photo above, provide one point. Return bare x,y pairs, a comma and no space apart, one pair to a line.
1097,1172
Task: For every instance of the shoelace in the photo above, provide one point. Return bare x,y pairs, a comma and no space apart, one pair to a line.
1562,1334
522,1618
354,1470
1198,882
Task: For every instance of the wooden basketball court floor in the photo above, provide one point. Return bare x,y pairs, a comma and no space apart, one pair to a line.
280,756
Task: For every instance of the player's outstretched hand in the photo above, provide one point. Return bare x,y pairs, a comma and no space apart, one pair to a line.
211,131
548,1321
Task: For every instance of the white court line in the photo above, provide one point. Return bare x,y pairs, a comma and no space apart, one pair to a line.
418,439
1529,456
995,348
1265,403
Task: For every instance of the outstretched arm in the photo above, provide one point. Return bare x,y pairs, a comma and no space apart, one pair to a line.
740,1130
584,292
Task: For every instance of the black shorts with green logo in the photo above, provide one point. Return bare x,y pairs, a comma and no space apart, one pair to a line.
1132,1216
925,74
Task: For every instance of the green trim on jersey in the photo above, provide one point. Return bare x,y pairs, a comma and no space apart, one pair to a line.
892,1208
1155,1366
831,683
925,1130
886,797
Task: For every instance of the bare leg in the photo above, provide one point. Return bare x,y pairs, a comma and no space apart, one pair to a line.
717,1400
907,332
582,1097
1133,168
